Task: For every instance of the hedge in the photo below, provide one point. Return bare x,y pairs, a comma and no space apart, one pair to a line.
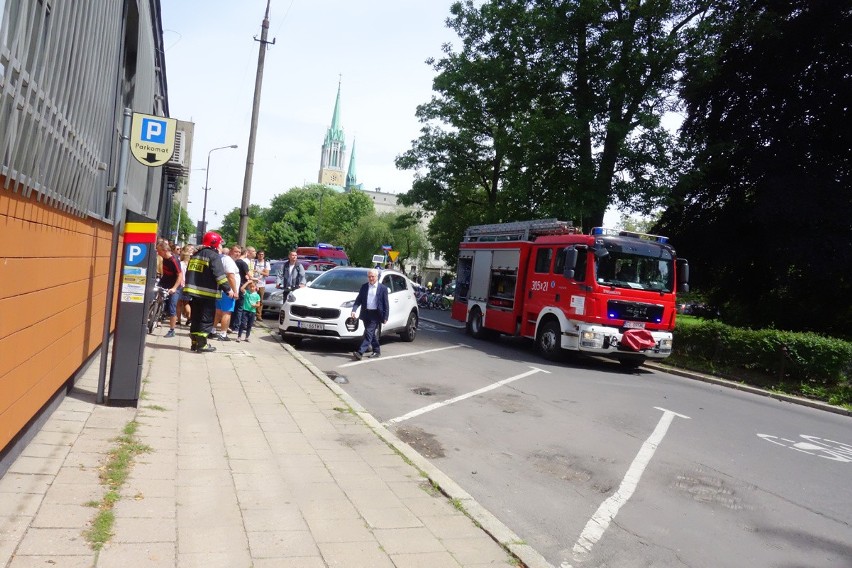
812,364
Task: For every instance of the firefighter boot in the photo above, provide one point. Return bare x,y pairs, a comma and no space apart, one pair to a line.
203,346
194,339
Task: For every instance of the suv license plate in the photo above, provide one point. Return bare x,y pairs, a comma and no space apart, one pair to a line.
634,325
311,325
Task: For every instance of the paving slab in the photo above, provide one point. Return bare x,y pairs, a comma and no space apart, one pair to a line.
254,459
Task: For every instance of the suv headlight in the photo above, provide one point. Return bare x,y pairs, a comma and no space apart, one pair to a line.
348,304
290,297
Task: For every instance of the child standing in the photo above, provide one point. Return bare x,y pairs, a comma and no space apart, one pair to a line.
251,303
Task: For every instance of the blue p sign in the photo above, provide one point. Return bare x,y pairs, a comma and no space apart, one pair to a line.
153,131
135,253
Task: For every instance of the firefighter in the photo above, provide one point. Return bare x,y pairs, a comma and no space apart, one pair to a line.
205,277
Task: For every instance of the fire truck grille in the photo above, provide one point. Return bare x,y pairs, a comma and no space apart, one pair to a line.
634,311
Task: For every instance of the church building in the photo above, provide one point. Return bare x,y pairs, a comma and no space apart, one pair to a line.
331,171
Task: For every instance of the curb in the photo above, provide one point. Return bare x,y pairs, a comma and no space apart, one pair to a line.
445,324
502,535
750,389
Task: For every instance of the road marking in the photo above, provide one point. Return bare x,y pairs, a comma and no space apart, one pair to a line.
449,401
814,446
600,521
383,358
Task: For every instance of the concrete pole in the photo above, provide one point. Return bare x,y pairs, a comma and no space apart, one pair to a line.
258,82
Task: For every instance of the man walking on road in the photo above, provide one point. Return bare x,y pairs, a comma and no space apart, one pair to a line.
373,297
205,276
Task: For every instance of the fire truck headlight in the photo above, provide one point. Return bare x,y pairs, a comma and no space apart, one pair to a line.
665,345
591,339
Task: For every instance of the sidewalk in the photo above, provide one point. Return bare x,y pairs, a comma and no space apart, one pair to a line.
256,460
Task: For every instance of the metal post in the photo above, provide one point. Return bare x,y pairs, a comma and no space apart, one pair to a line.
118,222
207,187
258,82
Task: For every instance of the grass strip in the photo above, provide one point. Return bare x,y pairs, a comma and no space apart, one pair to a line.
113,474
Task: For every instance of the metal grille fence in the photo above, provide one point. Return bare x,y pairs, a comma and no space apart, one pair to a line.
65,71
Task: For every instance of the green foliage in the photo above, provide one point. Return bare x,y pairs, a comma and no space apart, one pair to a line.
530,122
762,211
187,227
256,233
793,362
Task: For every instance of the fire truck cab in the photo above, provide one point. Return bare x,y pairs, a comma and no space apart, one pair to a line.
607,293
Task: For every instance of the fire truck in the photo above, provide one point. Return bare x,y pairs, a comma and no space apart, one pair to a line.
608,293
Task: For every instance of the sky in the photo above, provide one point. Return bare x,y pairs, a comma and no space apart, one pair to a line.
376,49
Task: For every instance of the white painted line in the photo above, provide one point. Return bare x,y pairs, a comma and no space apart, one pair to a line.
599,522
449,401
383,358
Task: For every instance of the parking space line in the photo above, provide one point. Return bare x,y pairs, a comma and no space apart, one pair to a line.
449,401
600,521
383,358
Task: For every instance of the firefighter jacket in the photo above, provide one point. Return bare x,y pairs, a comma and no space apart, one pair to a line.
205,274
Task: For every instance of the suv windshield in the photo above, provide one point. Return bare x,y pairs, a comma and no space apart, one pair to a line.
638,272
341,280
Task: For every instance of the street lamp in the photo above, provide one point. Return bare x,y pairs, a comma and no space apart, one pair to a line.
207,188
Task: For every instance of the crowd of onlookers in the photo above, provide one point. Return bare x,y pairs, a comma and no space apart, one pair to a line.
247,269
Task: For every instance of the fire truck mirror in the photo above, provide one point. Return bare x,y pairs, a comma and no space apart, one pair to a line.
682,275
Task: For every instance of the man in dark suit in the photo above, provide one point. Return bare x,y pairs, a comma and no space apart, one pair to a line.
373,299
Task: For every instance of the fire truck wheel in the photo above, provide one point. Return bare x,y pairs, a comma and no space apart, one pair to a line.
548,342
474,324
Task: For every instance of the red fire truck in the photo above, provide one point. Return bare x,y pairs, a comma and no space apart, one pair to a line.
607,293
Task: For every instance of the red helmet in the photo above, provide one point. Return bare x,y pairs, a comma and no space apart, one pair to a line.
211,239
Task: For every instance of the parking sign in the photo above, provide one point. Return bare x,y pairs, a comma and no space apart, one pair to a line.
152,139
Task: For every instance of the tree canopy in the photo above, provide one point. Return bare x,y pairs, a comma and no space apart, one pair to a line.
304,216
549,108
764,210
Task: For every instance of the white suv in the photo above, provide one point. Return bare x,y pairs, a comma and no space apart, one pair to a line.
320,310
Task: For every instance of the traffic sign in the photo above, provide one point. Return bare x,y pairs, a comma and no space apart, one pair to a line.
393,254
152,139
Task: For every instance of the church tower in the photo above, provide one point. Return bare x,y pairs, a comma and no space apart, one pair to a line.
333,150
351,179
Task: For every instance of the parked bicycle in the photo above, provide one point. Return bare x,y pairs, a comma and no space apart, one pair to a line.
156,307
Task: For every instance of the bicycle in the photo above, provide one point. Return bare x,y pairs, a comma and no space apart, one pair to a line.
155,308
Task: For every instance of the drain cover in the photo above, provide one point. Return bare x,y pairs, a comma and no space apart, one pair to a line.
337,378
423,391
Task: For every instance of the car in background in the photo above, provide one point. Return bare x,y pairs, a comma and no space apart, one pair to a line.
319,265
273,297
320,310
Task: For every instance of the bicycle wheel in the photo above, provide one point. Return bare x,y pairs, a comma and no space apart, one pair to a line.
152,315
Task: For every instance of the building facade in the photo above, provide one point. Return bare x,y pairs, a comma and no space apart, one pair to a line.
64,83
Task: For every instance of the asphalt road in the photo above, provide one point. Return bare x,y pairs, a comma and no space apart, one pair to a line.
595,466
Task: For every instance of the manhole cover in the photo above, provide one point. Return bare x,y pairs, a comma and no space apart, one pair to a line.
423,391
337,378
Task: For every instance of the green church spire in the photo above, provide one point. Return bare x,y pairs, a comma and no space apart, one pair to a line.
351,177
335,132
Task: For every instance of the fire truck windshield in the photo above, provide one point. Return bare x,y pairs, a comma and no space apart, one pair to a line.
636,271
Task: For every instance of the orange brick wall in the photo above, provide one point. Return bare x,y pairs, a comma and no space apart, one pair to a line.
53,278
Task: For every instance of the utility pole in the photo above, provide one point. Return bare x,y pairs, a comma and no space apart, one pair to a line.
258,82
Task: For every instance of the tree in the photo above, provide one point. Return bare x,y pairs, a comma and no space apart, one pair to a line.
186,228
304,216
256,235
764,211
550,108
